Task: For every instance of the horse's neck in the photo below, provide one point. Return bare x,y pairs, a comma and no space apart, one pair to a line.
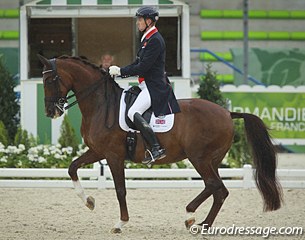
102,104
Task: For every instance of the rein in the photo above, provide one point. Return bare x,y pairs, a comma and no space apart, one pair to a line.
59,100
81,95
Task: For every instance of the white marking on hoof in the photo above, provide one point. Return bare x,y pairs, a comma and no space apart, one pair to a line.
118,227
80,191
116,230
190,219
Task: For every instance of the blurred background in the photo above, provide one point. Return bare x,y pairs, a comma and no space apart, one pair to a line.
256,49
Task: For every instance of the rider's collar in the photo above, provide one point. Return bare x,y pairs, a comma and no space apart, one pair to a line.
149,33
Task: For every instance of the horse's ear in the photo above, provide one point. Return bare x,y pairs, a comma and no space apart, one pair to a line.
43,60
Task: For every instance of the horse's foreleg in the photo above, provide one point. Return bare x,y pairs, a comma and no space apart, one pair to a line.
89,201
87,158
118,174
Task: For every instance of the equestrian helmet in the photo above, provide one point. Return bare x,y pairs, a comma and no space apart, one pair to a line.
148,12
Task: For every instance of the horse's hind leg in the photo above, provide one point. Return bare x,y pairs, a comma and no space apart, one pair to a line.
87,158
219,197
193,205
213,186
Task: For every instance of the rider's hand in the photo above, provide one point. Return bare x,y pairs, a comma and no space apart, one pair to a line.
114,71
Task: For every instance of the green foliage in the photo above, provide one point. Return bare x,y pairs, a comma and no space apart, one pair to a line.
27,153
3,134
182,164
239,153
22,137
67,135
40,156
9,111
209,88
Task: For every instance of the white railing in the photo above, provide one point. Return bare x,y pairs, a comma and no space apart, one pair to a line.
100,177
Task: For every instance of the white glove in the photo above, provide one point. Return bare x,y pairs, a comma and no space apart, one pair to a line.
114,71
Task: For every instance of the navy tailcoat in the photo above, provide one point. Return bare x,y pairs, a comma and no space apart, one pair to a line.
150,65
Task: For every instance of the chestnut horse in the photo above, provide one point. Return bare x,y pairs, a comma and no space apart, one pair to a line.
202,132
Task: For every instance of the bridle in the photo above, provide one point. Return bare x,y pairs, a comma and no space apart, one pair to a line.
58,100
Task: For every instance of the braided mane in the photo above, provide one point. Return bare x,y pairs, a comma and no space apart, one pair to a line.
83,60
105,74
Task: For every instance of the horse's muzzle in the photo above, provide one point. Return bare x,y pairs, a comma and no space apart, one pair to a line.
53,111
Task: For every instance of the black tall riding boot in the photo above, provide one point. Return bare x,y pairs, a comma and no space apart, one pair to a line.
156,151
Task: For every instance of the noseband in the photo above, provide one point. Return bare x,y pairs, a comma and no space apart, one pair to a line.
58,100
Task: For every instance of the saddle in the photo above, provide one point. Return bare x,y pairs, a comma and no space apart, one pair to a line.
130,97
158,124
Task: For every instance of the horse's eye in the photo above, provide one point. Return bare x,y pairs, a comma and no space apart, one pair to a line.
48,80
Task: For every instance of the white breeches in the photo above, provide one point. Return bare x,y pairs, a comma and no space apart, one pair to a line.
142,103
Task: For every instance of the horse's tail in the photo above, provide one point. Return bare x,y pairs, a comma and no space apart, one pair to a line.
264,158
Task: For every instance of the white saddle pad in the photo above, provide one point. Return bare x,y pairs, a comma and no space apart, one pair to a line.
158,124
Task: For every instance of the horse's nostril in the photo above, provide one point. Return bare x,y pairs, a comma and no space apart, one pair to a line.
49,112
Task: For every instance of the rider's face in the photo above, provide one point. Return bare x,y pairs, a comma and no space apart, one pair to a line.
141,23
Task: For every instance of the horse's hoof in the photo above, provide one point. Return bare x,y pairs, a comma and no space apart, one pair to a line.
189,222
116,230
90,203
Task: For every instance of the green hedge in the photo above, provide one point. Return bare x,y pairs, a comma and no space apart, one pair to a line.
255,14
238,35
9,13
9,35
258,14
222,78
297,35
225,78
205,56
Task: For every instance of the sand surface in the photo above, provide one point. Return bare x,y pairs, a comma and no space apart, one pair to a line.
38,214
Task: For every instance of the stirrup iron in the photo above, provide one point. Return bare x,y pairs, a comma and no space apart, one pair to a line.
154,155
152,159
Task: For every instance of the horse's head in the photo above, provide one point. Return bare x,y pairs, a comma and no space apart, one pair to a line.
55,89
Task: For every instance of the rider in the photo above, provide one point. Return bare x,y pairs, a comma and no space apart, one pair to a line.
149,66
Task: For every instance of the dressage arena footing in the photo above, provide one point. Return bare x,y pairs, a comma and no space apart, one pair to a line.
154,214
